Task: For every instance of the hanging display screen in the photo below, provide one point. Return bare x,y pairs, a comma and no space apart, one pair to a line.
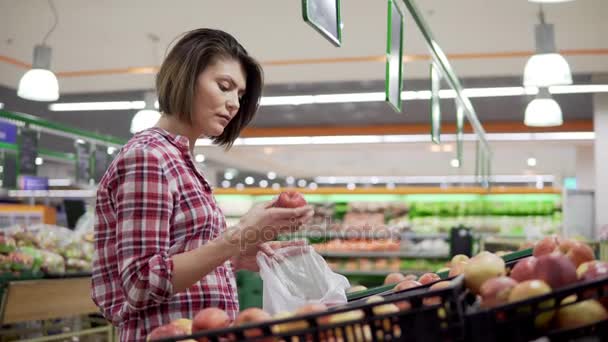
28,151
394,56
324,16
83,162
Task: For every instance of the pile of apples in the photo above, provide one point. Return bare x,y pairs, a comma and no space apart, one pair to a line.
556,262
215,318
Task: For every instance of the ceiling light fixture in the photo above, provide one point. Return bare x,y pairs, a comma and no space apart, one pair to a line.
146,117
531,162
39,83
431,179
547,67
407,95
409,138
549,1
199,158
543,111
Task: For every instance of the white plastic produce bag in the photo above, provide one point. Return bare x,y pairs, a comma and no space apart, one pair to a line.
297,275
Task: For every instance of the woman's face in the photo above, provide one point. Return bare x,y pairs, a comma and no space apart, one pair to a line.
217,95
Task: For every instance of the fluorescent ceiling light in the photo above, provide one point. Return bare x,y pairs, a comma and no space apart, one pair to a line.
411,138
144,119
430,179
549,1
84,106
52,193
352,97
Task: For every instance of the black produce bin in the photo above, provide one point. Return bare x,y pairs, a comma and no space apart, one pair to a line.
438,322
516,321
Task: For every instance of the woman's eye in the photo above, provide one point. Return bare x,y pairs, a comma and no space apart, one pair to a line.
223,87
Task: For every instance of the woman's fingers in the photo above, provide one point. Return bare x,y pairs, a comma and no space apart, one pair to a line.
267,249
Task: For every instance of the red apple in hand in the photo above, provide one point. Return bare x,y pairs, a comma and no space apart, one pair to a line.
290,199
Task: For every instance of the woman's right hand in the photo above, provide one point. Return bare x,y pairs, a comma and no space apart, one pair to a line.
264,222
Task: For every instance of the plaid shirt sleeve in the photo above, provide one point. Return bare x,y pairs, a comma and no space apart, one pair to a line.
144,204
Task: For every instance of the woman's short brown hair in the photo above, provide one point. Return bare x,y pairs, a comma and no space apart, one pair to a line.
197,49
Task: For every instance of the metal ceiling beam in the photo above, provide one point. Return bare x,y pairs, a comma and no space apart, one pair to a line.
448,72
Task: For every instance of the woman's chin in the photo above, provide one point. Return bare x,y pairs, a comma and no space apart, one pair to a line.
214,131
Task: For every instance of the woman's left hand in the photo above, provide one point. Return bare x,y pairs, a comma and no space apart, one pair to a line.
247,260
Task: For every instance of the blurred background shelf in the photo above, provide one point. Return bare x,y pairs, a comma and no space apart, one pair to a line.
408,255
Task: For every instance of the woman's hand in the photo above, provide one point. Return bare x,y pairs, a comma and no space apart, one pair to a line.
248,261
264,223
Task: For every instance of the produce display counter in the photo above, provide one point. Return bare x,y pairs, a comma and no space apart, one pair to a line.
50,299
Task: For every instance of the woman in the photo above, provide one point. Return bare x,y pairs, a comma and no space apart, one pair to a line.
162,250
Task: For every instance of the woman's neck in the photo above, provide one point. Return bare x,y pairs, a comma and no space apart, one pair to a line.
173,125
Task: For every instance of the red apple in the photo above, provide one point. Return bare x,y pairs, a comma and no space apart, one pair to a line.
555,269
482,267
546,246
394,278
252,315
524,269
436,300
458,258
593,270
290,199
428,278
356,288
580,314
534,288
164,331
382,309
184,323
577,251
406,284
411,277
210,318
457,268
496,291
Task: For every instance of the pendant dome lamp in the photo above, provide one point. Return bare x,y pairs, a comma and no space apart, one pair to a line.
39,83
148,116
546,67
543,111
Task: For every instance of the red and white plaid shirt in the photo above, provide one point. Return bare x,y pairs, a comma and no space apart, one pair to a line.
153,203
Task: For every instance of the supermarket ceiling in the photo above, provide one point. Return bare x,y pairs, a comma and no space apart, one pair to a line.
111,35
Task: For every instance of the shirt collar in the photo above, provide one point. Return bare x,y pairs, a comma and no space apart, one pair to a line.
180,141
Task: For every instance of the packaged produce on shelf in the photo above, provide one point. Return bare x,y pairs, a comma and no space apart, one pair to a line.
339,245
426,246
52,249
7,244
